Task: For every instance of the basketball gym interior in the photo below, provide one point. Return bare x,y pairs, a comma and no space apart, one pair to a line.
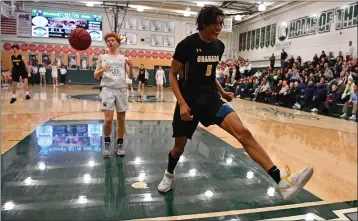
52,167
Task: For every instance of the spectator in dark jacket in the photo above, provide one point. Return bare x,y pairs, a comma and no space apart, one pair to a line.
283,57
320,95
307,95
332,99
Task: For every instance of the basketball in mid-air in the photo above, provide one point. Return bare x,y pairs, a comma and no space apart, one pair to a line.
80,39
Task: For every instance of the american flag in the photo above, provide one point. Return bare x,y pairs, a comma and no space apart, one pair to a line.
8,26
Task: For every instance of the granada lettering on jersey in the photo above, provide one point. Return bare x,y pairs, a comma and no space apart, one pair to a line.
207,59
341,17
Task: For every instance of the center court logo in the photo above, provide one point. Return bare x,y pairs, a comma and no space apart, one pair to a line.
282,31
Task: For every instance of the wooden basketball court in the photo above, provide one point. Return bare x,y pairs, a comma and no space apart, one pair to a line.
66,178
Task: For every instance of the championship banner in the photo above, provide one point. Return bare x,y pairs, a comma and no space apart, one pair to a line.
24,24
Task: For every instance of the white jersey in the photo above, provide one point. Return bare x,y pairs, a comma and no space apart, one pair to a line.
116,76
160,76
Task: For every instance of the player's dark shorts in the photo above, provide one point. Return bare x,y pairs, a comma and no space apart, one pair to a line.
142,80
16,76
206,108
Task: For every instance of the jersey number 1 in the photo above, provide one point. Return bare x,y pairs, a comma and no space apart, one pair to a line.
208,70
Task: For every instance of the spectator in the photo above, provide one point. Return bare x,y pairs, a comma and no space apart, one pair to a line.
352,100
272,61
350,51
328,74
340,55
307,95
42,72
283,57
258,74
320,95
265,86
282,92
315,60
332,99
274,92
348,90
323,55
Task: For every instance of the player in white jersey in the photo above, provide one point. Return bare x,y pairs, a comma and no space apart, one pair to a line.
160,79
113,69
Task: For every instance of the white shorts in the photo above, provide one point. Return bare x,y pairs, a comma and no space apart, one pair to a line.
54,74
114,99
159,82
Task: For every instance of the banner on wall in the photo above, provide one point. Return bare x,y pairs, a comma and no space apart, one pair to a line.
24,24
340,18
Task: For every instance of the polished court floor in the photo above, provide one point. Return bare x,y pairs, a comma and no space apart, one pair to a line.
52,165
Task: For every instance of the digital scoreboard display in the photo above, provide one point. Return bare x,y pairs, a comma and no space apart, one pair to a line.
58,24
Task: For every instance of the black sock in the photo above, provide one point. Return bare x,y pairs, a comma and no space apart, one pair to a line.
274,172
107,139
120,141
172,162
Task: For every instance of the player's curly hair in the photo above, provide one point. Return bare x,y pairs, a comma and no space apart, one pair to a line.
208,15
113,35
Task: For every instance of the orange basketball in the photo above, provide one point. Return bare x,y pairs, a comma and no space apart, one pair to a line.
80,39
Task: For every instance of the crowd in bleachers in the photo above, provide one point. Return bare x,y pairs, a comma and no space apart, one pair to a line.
317,85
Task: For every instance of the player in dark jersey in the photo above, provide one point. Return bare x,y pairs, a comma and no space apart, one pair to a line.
141,80
19,68
198,100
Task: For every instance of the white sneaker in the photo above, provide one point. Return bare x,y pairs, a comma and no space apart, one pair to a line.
119,150
166,184
344,115
290,185
353,117
107,149
314,110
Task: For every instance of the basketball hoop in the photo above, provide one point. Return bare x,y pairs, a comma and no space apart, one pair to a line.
115,7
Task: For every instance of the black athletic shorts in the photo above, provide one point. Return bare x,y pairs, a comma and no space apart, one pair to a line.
203,106
16,76
142,79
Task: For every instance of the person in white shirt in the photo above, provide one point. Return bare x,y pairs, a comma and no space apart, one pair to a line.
84,64
160,80
54,74
63,72
350,51
258,74
42,72
113,69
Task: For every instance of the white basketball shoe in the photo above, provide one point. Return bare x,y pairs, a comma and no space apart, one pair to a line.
290,185
166,184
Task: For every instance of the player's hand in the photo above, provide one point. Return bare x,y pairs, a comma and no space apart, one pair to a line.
106,68
29,75
129,62
185,112
228,96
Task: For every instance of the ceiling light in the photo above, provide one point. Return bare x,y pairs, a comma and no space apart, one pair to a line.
89,4
140,8
262,7
200,4
238,18
87,178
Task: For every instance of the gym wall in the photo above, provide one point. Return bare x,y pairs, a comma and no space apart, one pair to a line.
333,35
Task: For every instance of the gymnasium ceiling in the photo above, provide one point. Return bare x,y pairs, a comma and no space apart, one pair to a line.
245,8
